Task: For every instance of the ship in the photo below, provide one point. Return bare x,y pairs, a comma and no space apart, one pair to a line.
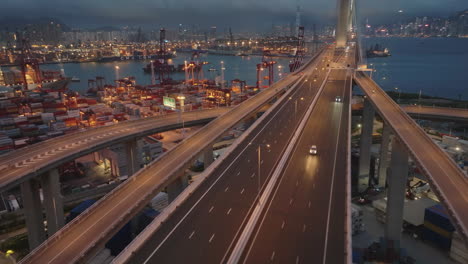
48,80
377,52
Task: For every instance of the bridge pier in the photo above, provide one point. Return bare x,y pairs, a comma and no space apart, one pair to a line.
383,159
397,177
208,157
53,201
176,187
365,145
32,209
132,154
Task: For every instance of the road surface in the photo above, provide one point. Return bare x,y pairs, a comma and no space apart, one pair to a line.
305,219
86,235
205,228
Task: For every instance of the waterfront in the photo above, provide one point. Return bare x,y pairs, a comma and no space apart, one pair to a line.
434,66
243,68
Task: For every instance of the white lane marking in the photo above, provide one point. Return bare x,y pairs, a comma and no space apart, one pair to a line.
272,256
238,173
297,260
227,188
191,235
303,228
309,204
331,185
248,160
211,209
291,201
253,174
307,115
229,211
282,225
261,162
313,186
242,191
297,183
211,238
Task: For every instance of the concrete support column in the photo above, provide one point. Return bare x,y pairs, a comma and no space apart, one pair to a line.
397,177
32,209
174,189
208,157
53,201
366,142
384,157
133,157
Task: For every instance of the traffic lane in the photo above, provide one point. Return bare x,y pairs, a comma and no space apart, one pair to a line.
336,233
254,158
279,238
225,209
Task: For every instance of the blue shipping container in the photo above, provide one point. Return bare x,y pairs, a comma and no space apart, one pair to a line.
437,215
436,239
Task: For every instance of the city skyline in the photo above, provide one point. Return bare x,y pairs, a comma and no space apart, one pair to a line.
254,13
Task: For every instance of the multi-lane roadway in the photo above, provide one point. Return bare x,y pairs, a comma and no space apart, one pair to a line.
305,219
84,236
206,227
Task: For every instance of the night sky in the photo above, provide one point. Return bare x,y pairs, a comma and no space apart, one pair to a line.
236,13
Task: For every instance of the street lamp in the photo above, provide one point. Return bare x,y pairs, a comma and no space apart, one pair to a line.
181,99
117,72
259,150
399,93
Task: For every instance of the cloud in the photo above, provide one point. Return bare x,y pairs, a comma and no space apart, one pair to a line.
242,13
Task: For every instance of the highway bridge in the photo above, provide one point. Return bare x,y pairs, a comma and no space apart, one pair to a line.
208,225
78,241
437,113
267,200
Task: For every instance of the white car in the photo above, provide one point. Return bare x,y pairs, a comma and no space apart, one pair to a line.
338,99
313,150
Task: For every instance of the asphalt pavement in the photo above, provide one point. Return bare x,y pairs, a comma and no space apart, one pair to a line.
205,228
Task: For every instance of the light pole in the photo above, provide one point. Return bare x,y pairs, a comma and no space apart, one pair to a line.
222,74
117,73
181,99
399,94
259,150
153,78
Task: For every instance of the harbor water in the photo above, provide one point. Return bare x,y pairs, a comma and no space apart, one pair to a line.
236,67
432,66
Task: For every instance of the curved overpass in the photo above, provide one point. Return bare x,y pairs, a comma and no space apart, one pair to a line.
437,113
22,164
447,180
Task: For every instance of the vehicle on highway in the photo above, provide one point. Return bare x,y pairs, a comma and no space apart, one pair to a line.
338,99
313,150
